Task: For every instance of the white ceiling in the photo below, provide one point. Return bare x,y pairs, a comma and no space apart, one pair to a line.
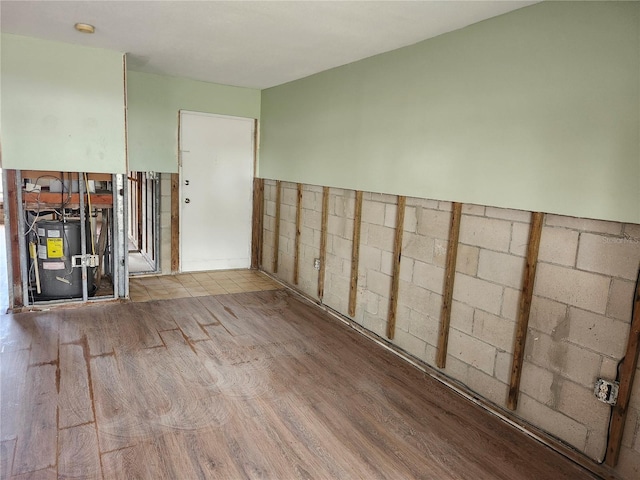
255,44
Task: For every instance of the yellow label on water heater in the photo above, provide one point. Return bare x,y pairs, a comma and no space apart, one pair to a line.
54,248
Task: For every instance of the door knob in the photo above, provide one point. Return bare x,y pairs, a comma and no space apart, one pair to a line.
186,200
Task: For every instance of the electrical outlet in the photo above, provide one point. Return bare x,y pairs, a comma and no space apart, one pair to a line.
606,391
316,263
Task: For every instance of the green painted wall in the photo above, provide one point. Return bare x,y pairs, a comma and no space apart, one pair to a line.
62,106
153,105
537,109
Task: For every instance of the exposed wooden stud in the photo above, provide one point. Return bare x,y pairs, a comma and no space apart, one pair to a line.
323,241
355,254
449,279
255,147
257,223
13,209
296,253
626,376
535,231
175,222
276,233
395,275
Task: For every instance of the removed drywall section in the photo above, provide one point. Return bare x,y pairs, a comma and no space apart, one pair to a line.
62,107
154,102
581,308
538,109
581,312
165,223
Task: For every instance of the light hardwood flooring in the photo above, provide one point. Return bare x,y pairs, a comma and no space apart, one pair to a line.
248,385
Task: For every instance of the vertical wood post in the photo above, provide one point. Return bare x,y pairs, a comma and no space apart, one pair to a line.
395,276
535,231
323,241
296,253
449,279
355,254
14,233
257,223
627,372
175,222
276,233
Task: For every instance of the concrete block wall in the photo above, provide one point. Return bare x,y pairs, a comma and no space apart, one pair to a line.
489,272
310,226
578,330
580,314
338,256
288,203
269,226
377,233
424,247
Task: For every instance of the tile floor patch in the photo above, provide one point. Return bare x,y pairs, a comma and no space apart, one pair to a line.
199,284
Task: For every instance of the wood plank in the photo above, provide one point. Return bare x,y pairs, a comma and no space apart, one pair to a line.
7,448
99,333
44,338
35,174
13,389
296,251
449,279
355,254
257,224
33,200
189,326
79,456
524,309
276,234
175,222
74,401
323,242
102,246
395,274
36,446
118,423
627,371
125,464
44,474
16,297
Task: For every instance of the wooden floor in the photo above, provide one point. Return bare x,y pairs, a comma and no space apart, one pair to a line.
249,385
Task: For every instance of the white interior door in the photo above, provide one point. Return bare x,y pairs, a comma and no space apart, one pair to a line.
216,191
